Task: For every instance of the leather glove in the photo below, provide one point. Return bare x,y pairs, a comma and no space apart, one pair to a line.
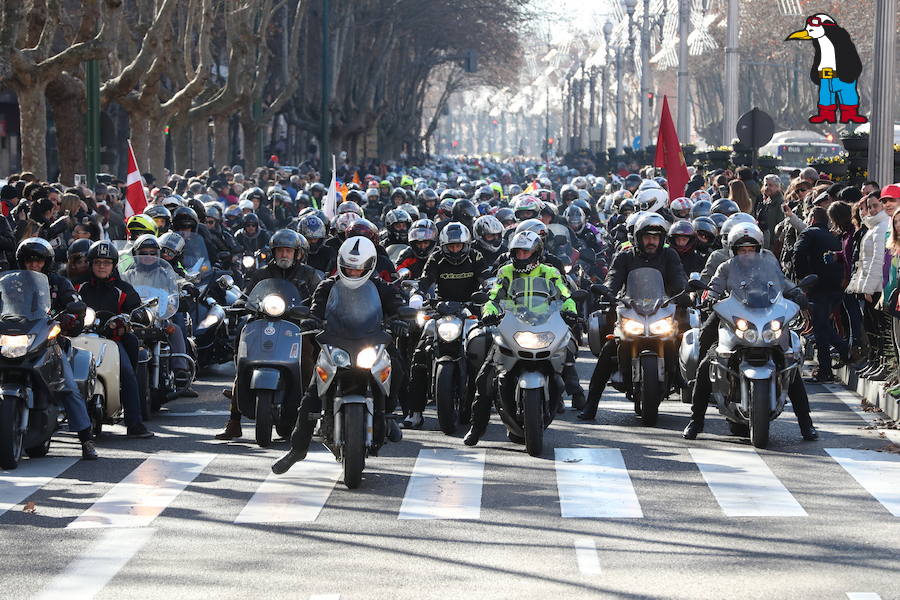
308,324
400,328
491,320
570,318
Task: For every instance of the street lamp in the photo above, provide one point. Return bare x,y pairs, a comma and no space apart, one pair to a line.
629,8
645,75
607,31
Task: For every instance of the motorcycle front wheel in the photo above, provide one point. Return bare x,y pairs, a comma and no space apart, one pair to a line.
10,435
759,413
533,409
445,394
264,417
354,449
650,390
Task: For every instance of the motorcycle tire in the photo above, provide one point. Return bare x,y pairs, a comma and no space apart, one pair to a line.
533,409
445,394
10,436
39,451
264,417
354,448
759,413
284,426
143,378
157,399
687,395
650,390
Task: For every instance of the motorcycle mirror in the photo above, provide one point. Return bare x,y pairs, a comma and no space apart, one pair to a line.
696,285
598,289
580,295
480,298
808,281
403,274
152,303
225,281
407,313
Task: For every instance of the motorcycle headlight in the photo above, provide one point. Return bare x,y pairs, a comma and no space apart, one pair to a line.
420,319
770,335
90,317
751,335
340,358
273,305
366,358
449,328
741,325
534,341
632,327
15,346
662,327
775,325
248,262
209,320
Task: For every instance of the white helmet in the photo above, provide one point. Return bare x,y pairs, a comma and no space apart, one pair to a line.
245,205
652,199
744,234
356,253
648,184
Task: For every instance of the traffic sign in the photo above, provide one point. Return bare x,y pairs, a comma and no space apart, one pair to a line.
755,128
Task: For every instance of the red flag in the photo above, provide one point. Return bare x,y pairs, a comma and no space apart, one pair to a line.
669,155
356,177
532,187
134,187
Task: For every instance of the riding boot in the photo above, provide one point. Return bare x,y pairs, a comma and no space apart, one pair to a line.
301,437
849,114
827,114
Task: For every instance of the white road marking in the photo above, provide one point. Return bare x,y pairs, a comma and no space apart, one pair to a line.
298,495
88,574
29,477
145,492
325,597
594,483
196,413
854,403
445,484
863,596
743,484
878,472
586,554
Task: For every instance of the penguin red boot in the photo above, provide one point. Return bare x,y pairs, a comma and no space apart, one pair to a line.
827,114
849,114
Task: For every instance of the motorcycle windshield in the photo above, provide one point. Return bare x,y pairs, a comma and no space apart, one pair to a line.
195,256
125,257
282,288
352,314
754,281
646,290
153,277
24,295
558,239
531,299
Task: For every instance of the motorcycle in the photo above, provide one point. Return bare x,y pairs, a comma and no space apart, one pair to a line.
394,251
646,329
269,381
757,353
103,402
448,324
157,285
530,346
30,367
211,342
353,375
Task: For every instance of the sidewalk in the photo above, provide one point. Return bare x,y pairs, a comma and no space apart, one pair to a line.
872,391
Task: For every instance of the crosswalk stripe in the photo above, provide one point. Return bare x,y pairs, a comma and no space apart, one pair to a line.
879,473
145,492
325,597
594,483
863,596
743,484
298,495
29,477
95,567
445,484
586,555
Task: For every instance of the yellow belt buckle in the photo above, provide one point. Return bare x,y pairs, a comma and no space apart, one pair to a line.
827,73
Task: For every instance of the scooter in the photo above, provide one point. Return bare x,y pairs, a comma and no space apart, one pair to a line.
103,402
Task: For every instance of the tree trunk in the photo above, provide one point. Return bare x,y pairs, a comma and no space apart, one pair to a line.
200,145
33,128
221,156
140,138
251,144
156,150
66,98
180,133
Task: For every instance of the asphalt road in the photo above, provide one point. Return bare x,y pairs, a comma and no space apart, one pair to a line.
612,510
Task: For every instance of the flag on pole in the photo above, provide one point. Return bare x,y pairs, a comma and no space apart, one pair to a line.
669,155
134,187
532,187
330,208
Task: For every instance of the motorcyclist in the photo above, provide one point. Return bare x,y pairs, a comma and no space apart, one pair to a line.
320,255
161,216
647,251
717,257
428,200
458,271
683,238
356,266
744,238
218,234
396,223
526,249
36,254
76,269
138,225
283,264
105,292
585,234
707,234
681,208
251,237
464,212
171,249
423,237
488,233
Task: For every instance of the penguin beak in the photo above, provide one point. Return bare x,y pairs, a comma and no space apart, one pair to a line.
799,35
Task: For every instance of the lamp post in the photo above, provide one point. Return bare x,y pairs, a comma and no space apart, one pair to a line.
732,64
645,75
629,8
881,138
620,105
683,125
607,31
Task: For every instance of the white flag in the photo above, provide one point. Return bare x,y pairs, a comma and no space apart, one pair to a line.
330,208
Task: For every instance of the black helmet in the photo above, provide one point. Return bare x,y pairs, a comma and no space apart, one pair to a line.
484,194
185,218
146,242
398,194
161,216
701,208
285,238
317,190
465,212
719,219
311,227
725,206
427,195
199,209
632,181
506,216
78,247
455,233
35,247
706,225
103,249
568,193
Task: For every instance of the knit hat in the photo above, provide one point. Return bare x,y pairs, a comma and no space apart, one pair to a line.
8,192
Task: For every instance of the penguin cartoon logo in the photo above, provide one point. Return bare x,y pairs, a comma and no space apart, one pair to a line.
835,69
